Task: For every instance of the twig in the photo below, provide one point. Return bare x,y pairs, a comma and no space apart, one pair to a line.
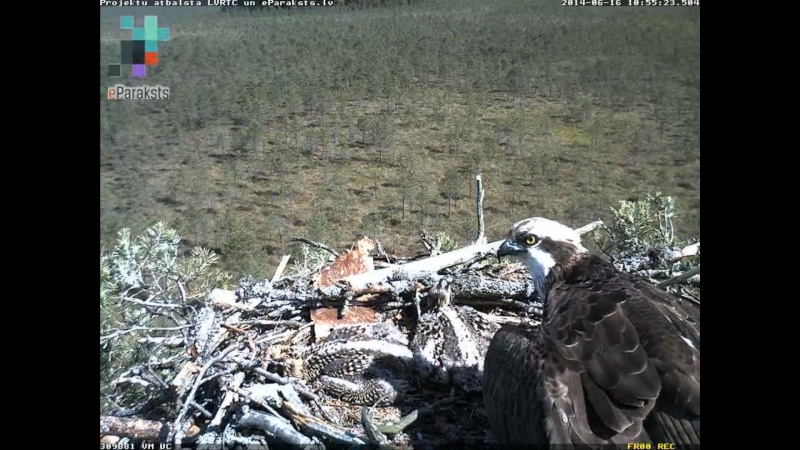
145,407
271,323
234,384
274,337
281,268
481,238
687,297
315,244
139,328
589,227
200,408
684,276
685,252
504,319
258,402
226,372
381,252
131,380
426,242
183,291
417,304
151,304
153,377
371,428
275,378
315,426
276,427
176,427
468,264
175,341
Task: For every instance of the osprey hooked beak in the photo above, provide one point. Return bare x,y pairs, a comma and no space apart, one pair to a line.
509,248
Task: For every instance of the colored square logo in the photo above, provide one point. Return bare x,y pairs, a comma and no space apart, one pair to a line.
141,49
150,33
126,52
138,70
150,22
115,70
126,22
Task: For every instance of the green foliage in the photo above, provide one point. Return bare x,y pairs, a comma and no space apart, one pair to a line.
308,259
444,242
643,224
642,240
147,284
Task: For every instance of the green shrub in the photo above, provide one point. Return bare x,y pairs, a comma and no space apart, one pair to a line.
149,288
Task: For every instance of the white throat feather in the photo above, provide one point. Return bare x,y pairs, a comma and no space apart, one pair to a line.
539,264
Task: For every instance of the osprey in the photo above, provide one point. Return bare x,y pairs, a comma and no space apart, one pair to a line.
616,360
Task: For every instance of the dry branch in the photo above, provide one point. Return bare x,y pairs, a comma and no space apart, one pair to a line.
684,276
150,430
317,427
589,227
178,432
236,381
481,237
281,268
316,245
274,426
139,328
174,341
423,268
689,250
431,266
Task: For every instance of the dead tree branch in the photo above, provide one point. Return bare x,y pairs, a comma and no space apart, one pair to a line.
316,245
480,239
281,268
685,252
150,430
589,227
684,276
119,333
178,431
276,427
430,267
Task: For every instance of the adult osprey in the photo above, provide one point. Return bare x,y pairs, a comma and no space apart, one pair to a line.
615,360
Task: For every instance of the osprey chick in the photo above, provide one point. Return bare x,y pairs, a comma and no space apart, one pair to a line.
615,360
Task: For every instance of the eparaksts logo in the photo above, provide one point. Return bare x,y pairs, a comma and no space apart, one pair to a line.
121,92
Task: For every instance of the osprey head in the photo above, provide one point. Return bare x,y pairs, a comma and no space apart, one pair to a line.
542,244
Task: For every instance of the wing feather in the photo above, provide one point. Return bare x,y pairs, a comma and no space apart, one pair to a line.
616,360
510,385
594,332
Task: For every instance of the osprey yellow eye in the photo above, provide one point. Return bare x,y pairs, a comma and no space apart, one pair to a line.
530,240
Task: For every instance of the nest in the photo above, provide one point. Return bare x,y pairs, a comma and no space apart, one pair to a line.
225,380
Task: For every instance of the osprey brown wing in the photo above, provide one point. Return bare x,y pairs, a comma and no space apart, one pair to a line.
583,378
511,379
635,343
591,332
671,337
